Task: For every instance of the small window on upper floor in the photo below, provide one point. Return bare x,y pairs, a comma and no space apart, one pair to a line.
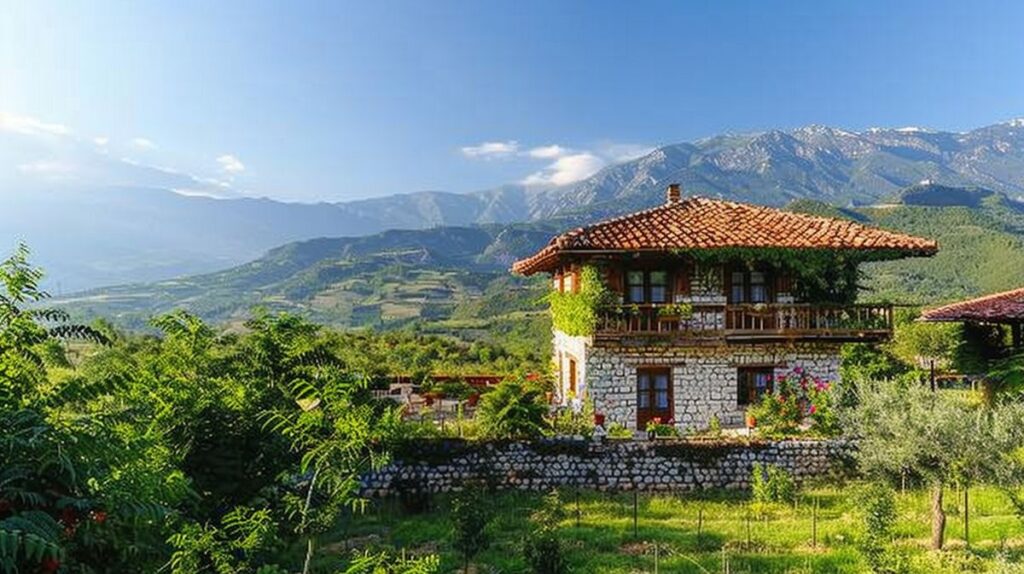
569,285
647,286
635,286
659,286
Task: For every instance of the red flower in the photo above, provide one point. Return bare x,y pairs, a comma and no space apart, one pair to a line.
533,377
812,410
99,516
656,420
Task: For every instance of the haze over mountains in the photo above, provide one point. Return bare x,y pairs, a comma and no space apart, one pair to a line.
88,236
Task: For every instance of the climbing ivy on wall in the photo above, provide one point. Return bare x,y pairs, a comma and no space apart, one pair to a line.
577,313
819,275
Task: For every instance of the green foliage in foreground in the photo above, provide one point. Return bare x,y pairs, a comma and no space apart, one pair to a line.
699,532
189,453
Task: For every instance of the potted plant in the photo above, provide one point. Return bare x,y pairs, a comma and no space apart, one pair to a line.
599,419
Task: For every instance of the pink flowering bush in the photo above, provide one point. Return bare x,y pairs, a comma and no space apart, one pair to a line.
796,396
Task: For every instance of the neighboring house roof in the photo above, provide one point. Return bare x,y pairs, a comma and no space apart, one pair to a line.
1005,307
703,223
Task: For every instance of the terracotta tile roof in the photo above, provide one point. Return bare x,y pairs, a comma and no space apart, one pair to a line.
1004,307
703,223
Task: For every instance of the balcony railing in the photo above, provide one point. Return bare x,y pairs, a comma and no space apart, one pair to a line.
749,321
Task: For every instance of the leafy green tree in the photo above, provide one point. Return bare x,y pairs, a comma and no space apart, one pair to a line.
470,516
905,428
514,409
80,487
878,513
543,548
339,431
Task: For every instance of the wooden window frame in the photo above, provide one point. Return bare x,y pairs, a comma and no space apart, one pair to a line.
769,284
647,284
645,415
746,383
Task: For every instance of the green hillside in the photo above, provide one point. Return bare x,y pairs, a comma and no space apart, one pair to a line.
980,251
437,280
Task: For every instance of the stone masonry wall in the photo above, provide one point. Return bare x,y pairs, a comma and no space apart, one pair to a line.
668,465
704,378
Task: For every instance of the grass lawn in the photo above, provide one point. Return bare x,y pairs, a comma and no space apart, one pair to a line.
782,541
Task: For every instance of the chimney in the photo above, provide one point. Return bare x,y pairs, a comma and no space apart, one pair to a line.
672,194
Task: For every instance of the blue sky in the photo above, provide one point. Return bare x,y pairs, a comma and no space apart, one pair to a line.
334,101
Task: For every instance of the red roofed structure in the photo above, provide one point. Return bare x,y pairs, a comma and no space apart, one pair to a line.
705,303
1006,308
699,223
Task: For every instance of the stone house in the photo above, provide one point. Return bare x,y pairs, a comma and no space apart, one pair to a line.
696,305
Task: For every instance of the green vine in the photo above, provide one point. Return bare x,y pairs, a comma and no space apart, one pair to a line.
577,313
818,274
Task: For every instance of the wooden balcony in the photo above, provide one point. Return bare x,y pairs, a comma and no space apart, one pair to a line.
749,323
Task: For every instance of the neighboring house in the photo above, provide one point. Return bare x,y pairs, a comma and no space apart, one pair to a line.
1006,308
706,302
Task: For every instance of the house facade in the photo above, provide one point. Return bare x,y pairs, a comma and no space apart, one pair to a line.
687,311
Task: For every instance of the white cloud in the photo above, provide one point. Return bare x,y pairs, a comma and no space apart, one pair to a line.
548,152
565,165
31,126
230,164
567,169
491,150
143,144
622,152
101,141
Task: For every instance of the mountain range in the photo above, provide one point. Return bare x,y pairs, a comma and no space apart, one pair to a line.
87,237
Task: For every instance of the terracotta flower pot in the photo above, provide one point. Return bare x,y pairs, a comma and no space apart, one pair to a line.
599,419
751,421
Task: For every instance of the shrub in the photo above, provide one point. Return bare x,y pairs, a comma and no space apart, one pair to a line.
879,516
797,395
543,549
567,422
470,516
619,431
715,426
514,409
660,429
544,553
771,484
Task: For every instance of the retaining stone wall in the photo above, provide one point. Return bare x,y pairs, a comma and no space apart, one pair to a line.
665,465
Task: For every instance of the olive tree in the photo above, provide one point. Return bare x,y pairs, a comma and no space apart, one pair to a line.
905,428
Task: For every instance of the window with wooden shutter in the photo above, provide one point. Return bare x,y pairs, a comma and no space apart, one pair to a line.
653,395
